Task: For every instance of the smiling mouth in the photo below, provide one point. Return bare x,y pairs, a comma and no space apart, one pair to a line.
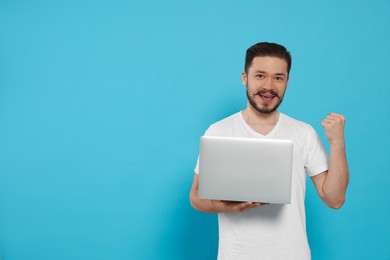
267,95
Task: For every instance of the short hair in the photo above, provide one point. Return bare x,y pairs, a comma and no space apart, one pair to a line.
264,49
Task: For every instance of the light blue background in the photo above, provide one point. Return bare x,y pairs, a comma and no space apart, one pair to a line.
102,104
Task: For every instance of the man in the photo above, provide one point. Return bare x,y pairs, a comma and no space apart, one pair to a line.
249,230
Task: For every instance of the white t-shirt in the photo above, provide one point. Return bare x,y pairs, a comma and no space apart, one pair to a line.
272,231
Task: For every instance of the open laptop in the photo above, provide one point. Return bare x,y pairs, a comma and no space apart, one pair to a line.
245,169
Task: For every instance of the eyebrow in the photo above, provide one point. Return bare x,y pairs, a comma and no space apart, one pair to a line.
277,74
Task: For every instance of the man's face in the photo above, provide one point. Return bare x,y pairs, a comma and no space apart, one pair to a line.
266,83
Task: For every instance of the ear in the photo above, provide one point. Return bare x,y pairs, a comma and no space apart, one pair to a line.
244,78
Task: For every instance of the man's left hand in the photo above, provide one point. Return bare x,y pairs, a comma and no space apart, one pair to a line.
334,128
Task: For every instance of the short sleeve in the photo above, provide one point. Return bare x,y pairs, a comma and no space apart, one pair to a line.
316,159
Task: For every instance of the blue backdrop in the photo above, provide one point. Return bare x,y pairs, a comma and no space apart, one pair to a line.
102,104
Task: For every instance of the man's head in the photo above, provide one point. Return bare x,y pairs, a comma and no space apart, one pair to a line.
267,67
264,49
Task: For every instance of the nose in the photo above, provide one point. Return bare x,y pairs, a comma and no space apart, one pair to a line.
268,85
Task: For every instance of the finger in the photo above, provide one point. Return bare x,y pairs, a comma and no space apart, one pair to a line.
257,204
326,123
254,205
327,120
243,206
335,116
333,119
243,209
233,205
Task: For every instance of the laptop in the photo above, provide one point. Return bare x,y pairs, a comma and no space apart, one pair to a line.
245,169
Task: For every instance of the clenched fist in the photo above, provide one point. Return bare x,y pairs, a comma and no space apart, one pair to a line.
334,128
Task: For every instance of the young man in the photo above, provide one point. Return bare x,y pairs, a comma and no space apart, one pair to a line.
250,230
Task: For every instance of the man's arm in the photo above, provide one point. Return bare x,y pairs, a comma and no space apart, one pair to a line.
331,185
217,206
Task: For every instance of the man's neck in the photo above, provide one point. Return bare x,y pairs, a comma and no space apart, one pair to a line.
262,123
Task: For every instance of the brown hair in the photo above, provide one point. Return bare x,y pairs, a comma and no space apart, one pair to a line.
263,49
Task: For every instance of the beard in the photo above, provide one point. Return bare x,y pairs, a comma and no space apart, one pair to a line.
266,108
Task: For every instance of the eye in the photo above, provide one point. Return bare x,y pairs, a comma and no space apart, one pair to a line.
279,78
260,76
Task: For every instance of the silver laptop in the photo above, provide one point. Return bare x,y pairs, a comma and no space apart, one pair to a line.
245,169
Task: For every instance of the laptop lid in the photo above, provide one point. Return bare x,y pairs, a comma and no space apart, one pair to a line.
245,169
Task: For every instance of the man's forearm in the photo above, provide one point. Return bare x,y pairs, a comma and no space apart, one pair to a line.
202,205
336,181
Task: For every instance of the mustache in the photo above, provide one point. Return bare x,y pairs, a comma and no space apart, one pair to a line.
271,91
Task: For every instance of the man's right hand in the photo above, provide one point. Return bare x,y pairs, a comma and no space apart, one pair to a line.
234,206
218,206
